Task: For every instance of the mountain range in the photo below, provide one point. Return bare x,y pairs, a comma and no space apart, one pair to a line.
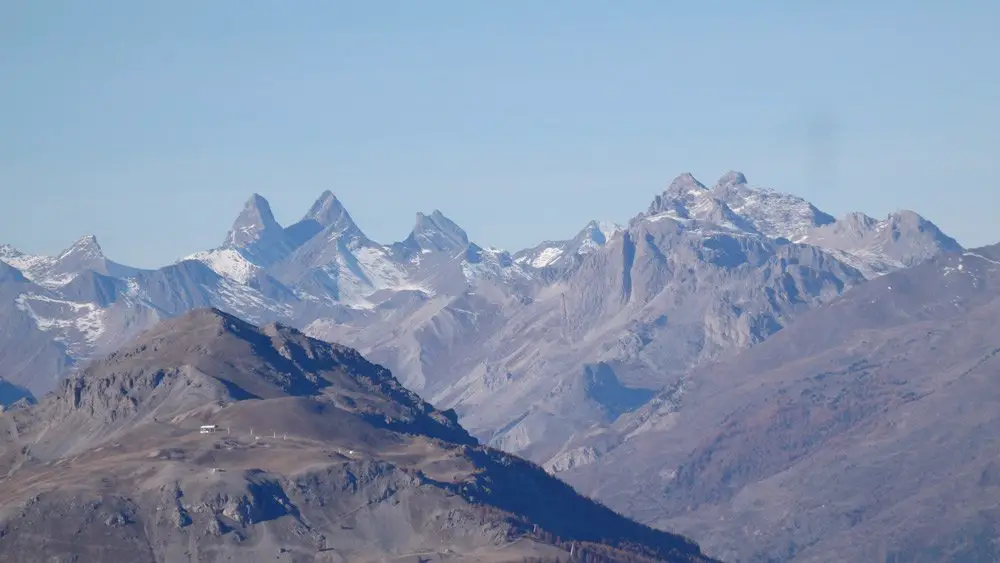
563,353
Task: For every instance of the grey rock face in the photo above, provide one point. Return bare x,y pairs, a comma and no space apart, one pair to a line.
876,247
733,203
860,433
653,303
328,214
257,235
436,233
345,464
31,358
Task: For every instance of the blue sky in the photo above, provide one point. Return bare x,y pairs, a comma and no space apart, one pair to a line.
148,124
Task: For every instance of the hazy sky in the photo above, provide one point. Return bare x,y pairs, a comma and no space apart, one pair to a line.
149,124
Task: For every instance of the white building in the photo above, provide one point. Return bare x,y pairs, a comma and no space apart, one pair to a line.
208,428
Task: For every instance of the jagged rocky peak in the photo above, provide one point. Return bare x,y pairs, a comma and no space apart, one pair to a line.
682,191
686,183
860,219
257,235
731,179
84,254
254,223
437,233
84,247
718,212
327,214
327,211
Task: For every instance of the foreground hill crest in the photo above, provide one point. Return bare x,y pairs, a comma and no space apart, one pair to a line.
345,464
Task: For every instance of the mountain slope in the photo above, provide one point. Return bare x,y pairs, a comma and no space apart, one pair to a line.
655,302
345,464
862,432
29,356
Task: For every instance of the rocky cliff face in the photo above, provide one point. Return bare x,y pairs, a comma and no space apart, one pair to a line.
859,433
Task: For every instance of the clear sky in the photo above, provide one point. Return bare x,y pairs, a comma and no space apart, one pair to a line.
150,123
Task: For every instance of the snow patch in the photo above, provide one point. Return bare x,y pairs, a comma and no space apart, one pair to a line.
228,263
773,213
248,302
56,281
571,459
50,314
546,257
673,216
31,266
871,264
379,268
981,257
609,229
494,263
